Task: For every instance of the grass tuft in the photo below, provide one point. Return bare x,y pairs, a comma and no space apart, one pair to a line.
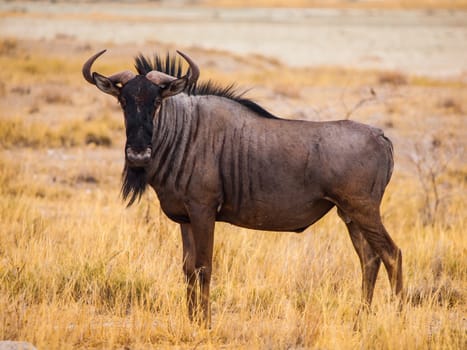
101,131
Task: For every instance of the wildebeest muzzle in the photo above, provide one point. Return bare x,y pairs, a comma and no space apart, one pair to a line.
138,159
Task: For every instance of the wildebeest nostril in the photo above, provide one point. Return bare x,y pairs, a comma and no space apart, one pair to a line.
138,158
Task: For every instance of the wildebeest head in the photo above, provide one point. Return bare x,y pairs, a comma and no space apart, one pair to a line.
140,97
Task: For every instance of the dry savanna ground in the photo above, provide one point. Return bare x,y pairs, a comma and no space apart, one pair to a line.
80,271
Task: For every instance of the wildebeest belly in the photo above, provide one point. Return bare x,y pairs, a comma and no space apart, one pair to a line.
275,216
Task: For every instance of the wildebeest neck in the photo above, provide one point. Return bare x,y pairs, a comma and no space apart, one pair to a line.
172,130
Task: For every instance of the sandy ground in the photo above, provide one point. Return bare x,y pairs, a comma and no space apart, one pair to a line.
418,42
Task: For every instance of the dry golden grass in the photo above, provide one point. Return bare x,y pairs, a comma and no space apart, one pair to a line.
79,271
16,132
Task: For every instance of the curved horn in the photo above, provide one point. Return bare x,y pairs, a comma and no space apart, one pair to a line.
159,78
87,67
193,72
122,77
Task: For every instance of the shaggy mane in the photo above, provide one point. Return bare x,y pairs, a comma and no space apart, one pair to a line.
172,65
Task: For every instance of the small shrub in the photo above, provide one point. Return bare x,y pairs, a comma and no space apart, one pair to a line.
55,96
432,159
451,105
86,178
21,90
8,46
98,139
442,294
392,78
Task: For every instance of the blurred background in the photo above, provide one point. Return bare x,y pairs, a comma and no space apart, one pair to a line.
77,270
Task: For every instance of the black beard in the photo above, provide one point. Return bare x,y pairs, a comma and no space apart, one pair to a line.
133,183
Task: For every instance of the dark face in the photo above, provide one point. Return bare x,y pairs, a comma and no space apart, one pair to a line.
140,99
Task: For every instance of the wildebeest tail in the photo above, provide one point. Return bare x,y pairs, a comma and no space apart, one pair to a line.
390,157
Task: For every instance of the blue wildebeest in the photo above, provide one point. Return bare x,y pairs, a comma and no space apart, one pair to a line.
212,155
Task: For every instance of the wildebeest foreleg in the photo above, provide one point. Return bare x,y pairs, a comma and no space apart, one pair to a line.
202,222
189,268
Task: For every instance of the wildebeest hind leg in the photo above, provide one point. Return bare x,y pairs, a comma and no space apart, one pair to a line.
369,260
368,220
365,214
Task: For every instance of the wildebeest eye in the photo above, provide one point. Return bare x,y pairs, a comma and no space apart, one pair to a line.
157,101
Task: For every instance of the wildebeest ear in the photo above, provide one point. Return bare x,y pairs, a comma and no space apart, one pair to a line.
105,84
174,87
